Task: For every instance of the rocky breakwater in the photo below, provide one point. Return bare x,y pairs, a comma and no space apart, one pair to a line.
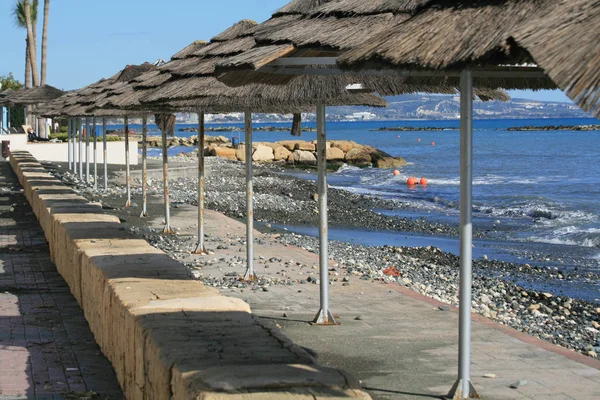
156,141
555,128
304,153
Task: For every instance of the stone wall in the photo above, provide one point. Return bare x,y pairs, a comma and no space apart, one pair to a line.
166,335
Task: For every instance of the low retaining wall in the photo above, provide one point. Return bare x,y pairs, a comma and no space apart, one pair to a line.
166,335
58,152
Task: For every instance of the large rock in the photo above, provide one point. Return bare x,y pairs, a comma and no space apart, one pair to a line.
240,152
358,156
327,144
335,154
344,145
306,146
382,159
290,144
272,145
225,152
389,162
281,153
304,157
263,154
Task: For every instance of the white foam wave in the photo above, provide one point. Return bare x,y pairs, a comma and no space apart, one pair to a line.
570,235
544,213
492,180
347,168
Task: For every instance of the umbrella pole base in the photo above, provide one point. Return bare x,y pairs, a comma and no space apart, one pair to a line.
324,317
457,394
168,230
127,203
250,276
144,214
200,251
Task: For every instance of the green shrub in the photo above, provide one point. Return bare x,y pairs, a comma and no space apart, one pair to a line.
59,136
63,137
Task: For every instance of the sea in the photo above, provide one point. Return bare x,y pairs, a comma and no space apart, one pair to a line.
536,194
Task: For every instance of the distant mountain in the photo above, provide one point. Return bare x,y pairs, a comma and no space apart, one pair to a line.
425,106
418,106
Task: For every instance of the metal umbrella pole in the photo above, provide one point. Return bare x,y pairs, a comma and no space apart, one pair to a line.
75,150
69,144
144,167
95,156
324,316
105,154
200,247
87,150
463,388
128,183
201,172
80,134
250,274
167,228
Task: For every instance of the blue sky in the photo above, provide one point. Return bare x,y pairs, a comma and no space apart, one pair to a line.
89,40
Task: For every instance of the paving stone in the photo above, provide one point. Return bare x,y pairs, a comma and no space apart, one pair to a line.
44,337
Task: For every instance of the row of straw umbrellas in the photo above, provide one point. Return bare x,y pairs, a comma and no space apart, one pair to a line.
306,56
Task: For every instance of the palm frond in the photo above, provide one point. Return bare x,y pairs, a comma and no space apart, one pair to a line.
19,13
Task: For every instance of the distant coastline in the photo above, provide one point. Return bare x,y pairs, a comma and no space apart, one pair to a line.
555,128
411,129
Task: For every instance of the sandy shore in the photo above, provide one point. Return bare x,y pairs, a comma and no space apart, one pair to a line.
558,319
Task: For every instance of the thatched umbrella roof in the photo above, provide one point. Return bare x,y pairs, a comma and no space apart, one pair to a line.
35,95
189,50
4,96
190,80
557,38
77,103
188,83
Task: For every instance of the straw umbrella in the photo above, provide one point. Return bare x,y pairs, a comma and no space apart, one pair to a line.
509,44
194,77
34,96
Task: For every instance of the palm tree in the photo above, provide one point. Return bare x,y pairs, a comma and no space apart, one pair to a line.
45,39
21,22
32,43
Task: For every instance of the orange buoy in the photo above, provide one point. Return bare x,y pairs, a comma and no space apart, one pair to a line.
423,181
396,172
419,139
412,181
433,143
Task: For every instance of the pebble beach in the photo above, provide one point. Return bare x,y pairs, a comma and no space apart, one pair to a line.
502,291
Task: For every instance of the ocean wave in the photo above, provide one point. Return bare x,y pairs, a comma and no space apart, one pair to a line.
347,168
570,235
545,213
493,180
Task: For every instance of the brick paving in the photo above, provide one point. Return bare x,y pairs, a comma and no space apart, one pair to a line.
46,348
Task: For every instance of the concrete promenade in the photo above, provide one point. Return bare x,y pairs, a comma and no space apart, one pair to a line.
399,344
46,348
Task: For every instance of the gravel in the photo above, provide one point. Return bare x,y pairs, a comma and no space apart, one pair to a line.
499,292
